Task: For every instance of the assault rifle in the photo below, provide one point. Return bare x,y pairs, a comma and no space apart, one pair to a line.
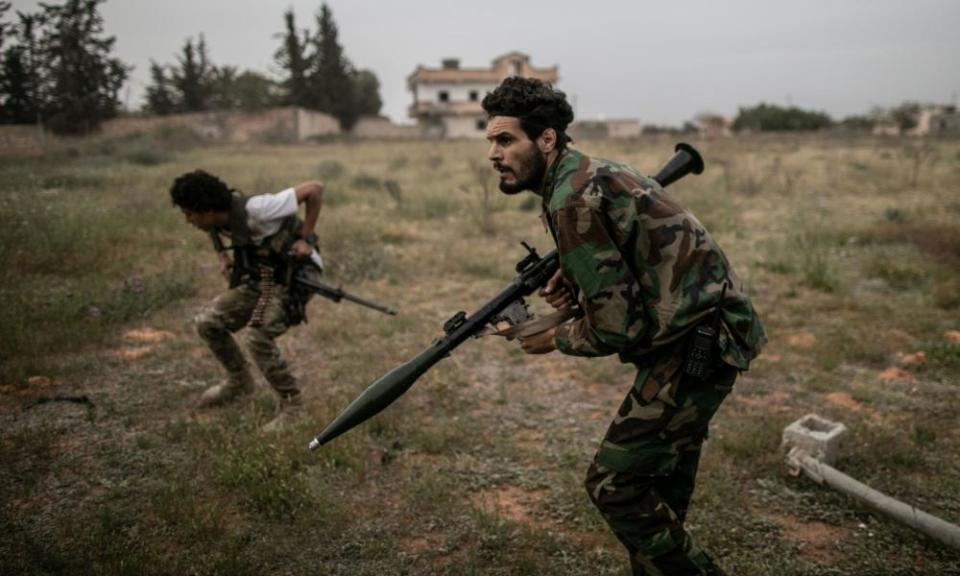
533,271
337,294
302,281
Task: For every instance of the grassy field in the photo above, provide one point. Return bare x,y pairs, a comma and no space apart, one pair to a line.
850,247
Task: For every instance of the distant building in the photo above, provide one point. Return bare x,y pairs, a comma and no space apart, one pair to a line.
446,100
886,125
947,123
711,125
927,120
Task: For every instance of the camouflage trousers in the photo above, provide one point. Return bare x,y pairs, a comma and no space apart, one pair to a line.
642,477
230,312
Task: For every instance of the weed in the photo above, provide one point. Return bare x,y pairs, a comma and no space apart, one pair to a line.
364,181
399,162
899,275
894,215
944,357
330,170
266,478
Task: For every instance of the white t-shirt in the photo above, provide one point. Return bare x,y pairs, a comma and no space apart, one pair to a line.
265,212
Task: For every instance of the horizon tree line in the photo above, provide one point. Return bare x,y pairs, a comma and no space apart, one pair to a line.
57,70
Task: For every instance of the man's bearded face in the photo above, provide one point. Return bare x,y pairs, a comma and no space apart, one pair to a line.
515,156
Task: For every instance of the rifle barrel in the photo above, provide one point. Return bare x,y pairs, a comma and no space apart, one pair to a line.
337,294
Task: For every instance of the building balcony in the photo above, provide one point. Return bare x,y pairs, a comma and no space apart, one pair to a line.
428,109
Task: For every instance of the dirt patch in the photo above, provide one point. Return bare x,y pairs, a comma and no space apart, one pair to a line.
422,543
913,359
510,502
844,399
820,542
802,340
776,401
770,357
894,374
132,353
148,335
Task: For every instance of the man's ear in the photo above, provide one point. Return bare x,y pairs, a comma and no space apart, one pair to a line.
547,141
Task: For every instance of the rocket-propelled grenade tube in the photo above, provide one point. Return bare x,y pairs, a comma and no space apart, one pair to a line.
533,272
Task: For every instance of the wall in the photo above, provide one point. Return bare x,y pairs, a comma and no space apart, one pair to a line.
274,125
379,127
463,127
313,124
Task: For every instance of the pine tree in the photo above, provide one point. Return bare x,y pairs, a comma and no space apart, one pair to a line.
331,84
83,79
293,59
20,74
192,77
4,6
160,95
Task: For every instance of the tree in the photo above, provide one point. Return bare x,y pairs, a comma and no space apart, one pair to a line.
318,75
254,91
858,123
366,93
192,77
161,99
20,74
293,59
82,78
772,118
331,84
906,114
4,6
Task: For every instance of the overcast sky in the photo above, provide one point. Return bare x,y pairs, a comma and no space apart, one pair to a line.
662,62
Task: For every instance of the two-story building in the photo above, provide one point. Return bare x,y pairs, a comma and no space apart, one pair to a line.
446,100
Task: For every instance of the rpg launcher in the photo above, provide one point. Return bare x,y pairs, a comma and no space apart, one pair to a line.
508,306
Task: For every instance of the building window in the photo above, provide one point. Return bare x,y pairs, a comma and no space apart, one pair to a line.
474,95
444,96
481,124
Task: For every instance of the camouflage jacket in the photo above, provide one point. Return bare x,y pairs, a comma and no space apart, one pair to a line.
647,270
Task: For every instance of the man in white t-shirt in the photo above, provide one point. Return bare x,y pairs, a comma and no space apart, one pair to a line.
267,243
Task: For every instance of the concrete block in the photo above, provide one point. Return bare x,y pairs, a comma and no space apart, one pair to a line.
818,437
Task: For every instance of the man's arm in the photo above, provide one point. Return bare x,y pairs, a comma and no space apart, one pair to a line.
614,312
311,195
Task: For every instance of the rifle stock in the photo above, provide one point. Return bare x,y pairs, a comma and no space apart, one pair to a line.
533,272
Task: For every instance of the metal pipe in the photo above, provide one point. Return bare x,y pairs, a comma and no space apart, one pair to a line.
915,518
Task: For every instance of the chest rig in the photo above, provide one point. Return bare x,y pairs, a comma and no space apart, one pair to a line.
266,261
263,266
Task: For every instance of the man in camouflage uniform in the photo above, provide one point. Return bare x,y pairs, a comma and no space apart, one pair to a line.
646,274
269,242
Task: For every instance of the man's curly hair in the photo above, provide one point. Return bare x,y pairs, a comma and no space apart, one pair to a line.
537,105
200,191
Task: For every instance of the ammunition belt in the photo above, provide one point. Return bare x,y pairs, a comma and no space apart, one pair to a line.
268,289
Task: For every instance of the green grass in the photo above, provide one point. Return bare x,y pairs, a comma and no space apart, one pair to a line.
849,266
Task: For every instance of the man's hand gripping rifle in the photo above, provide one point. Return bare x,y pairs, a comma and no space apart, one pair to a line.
533,272
300,279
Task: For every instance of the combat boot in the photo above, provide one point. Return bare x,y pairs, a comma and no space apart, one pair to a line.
237,385
289,411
